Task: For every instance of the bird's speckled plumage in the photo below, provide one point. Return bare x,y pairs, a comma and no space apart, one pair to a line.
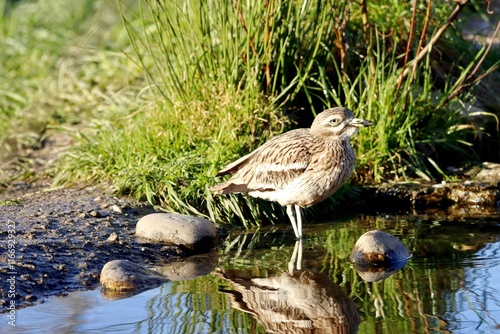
299,168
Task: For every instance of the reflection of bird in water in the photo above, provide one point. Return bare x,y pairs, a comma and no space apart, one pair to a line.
299,168
303,302
296,259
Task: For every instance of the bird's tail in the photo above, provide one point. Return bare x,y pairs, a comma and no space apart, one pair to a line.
229,187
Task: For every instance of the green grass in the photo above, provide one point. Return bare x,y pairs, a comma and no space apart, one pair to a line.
169,156
160,96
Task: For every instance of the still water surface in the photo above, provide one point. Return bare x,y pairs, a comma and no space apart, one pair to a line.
450,285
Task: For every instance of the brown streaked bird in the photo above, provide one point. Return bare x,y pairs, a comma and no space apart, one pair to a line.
298,168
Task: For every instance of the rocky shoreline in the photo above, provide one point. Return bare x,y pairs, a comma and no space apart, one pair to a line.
453,197
478,194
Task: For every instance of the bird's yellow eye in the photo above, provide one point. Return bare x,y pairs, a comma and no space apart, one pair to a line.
334,121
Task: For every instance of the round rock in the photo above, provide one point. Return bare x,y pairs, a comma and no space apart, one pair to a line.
379,248
191,232
123,275
377,255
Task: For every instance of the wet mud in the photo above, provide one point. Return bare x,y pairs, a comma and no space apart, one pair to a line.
54,242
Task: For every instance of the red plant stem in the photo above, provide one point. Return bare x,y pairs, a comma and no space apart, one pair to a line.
268,36
422,35
485,53
368,38
408,43
435,38
465,83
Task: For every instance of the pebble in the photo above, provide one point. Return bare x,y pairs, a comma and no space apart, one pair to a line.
113,238
379,248
116,209
59,267
31,298
95,214
191,232
377,255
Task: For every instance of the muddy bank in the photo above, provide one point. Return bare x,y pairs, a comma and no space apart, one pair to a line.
64,237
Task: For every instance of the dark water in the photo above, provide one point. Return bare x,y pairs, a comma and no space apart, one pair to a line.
450,285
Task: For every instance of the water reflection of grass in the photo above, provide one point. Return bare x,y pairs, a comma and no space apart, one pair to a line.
198,306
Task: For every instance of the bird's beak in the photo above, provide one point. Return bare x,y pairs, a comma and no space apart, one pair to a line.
359,122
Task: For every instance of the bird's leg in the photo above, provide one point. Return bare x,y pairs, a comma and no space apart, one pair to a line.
298,214
291,215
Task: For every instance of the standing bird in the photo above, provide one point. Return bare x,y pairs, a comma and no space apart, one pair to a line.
298,168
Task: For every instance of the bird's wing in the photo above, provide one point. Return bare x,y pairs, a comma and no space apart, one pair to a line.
235,165
276,163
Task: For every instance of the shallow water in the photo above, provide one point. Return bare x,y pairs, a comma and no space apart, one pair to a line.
451,284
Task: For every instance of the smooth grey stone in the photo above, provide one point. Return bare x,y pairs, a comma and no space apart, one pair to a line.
183,230
377,255
379,247
124,275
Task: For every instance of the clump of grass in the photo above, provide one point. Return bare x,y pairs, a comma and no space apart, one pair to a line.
395,77
169,154
225,73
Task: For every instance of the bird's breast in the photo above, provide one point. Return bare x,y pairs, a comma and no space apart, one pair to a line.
325,175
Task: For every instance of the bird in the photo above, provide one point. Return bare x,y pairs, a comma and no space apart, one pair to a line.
298,168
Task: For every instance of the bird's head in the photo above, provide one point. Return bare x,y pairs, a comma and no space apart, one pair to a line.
338,122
